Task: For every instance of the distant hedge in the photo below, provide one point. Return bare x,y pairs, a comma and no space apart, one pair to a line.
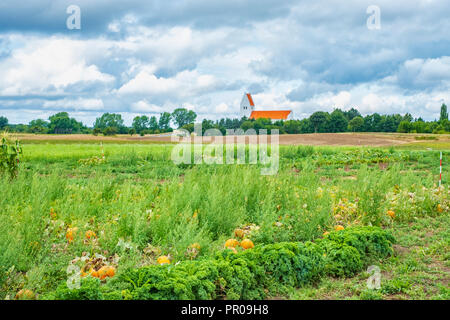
250,274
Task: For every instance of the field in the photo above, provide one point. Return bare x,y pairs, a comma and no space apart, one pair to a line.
72,211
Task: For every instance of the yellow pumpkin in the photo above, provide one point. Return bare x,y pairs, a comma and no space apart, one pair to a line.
338,228
25,294
247,244
439,208
163,260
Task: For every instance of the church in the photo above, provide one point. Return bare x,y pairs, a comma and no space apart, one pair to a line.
248,110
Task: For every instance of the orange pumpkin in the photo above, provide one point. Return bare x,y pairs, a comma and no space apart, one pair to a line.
90,234
231,243
247,244
326,233
338,228
163,260
391,214
71,233
195,246
111,271
439,208
239,233
94,273
102,272
25,294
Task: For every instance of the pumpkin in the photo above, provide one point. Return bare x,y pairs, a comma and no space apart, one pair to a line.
94,273
90,234
247,244
195,246
163,260
231,243
71,233
239,233
25,294
326,233
338,228
439,208
111,271
102,272
391,214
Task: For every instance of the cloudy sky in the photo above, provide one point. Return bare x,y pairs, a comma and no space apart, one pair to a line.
144,57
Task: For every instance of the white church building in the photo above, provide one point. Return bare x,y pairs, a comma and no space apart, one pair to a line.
248,110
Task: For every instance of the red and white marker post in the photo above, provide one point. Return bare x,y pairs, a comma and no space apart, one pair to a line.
440,171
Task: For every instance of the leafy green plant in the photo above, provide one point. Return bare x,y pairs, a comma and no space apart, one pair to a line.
9,156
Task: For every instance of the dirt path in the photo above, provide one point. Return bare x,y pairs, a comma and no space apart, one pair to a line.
316,139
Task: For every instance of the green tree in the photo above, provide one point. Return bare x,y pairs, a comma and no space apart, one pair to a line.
140,124
3,122
338,122
38,126
112,120
352,113
164,121
182,116
61,123
153,124
319,120
405,127
444,113
356,124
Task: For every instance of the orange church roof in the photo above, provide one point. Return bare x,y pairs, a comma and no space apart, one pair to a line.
250,99
274,115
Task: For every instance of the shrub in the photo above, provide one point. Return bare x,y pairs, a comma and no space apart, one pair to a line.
250,274
9,157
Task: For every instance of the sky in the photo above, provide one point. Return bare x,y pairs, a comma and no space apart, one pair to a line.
146,57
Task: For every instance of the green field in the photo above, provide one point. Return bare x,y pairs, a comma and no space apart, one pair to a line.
69,207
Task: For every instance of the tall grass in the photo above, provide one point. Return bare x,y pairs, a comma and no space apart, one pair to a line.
139,196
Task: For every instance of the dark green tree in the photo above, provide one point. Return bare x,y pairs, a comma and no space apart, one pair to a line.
3,122
112,120
164,121
319,120
338,122
182,116
61,123
356,124
444,113
140,123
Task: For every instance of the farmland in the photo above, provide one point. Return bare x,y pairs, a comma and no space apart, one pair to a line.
125,205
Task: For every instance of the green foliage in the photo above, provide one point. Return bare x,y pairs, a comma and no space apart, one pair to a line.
9,157
182,116
89,290
252,274
61,123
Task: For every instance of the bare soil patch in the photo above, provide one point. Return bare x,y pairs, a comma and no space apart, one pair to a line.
315,139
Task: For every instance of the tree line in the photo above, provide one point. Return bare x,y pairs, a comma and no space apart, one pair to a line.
319,122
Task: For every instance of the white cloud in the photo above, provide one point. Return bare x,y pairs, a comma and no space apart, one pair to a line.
48,66
184,84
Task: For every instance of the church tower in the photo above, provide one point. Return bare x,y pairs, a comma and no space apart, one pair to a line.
247,105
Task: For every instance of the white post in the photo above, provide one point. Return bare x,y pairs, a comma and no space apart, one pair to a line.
440,171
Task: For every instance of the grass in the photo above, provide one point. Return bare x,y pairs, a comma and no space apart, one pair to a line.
138,202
